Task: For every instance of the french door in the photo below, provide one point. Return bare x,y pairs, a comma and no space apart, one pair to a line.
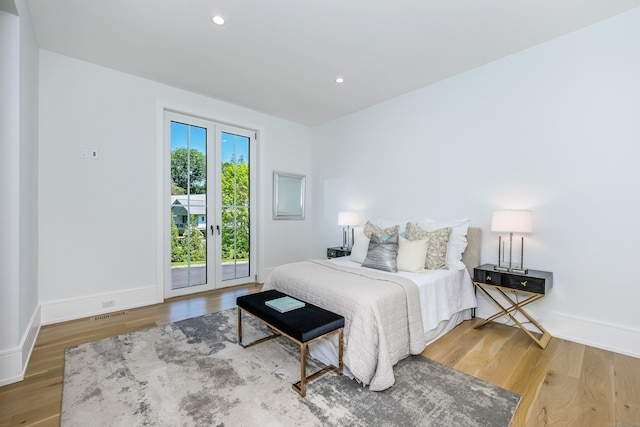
210,204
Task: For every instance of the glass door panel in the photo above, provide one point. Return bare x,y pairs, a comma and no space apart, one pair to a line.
235,206
188,205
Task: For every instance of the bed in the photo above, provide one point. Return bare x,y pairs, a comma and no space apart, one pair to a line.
388,316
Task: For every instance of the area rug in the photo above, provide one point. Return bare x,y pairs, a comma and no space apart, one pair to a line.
193,373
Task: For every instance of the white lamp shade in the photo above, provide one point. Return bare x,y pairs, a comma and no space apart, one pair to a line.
347,218
512,221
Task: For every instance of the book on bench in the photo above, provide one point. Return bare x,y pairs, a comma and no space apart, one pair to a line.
284,304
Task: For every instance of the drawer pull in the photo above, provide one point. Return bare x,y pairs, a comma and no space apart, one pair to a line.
488,279
524,283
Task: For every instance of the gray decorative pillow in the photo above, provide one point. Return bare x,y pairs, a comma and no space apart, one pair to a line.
382,254
436,246
370,229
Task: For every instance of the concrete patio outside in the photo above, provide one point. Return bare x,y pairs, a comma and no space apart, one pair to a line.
180,275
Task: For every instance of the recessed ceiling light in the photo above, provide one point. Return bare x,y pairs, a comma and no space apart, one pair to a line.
218,20
339,80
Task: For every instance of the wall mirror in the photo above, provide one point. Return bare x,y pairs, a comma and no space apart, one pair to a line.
288,195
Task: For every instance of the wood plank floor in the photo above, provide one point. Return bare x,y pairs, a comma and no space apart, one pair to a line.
567,384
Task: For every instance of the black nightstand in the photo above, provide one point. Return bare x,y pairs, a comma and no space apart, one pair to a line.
535,284
338,252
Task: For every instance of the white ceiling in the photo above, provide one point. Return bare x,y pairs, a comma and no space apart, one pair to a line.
281,57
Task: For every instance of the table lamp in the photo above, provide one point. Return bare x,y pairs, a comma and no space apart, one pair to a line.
511,221
346,220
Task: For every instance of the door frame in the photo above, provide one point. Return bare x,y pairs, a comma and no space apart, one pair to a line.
163,197
253,198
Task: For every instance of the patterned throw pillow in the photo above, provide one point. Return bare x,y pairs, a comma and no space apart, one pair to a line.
382,254
371,229
437,244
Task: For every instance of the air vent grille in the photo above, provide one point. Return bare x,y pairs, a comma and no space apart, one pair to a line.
110,315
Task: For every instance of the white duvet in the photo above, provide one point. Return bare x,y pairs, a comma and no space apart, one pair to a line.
387,315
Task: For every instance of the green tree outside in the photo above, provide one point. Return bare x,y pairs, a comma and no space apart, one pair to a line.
191,246
177,249
235,210
189,170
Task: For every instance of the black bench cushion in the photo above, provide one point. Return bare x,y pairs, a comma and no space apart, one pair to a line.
302,324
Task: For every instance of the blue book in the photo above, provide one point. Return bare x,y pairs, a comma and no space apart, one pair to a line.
284,304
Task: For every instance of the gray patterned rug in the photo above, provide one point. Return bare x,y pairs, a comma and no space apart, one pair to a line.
192,373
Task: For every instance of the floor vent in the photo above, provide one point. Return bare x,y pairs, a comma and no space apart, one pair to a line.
110,315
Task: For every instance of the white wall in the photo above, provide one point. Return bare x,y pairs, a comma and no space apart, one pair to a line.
98,218
554,129
9,177
29,316
19,309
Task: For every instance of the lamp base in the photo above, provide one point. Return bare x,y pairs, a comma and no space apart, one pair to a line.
512,270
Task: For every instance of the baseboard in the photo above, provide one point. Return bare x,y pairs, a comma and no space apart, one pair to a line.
78,308
610,337
13,362
11,370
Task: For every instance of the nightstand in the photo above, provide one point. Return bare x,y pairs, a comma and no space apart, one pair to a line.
534,285
337,252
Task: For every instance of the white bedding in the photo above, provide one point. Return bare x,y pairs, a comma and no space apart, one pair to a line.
442,292
387,315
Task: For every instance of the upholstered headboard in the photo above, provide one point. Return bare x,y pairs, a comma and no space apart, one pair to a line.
471,255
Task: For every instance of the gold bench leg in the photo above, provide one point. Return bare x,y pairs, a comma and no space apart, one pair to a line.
340,350
303,369
243,344
300,386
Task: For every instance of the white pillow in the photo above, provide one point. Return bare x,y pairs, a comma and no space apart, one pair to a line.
360,246
411,255
457,241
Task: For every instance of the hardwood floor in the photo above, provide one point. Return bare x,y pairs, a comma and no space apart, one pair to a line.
36,400
567,384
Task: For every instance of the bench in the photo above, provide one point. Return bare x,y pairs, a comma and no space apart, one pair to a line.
302,326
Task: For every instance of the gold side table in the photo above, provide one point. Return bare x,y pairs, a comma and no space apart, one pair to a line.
535,284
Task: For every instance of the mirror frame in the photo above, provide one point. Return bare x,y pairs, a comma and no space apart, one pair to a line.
288,195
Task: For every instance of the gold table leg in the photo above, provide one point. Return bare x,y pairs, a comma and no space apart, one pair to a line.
517,307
